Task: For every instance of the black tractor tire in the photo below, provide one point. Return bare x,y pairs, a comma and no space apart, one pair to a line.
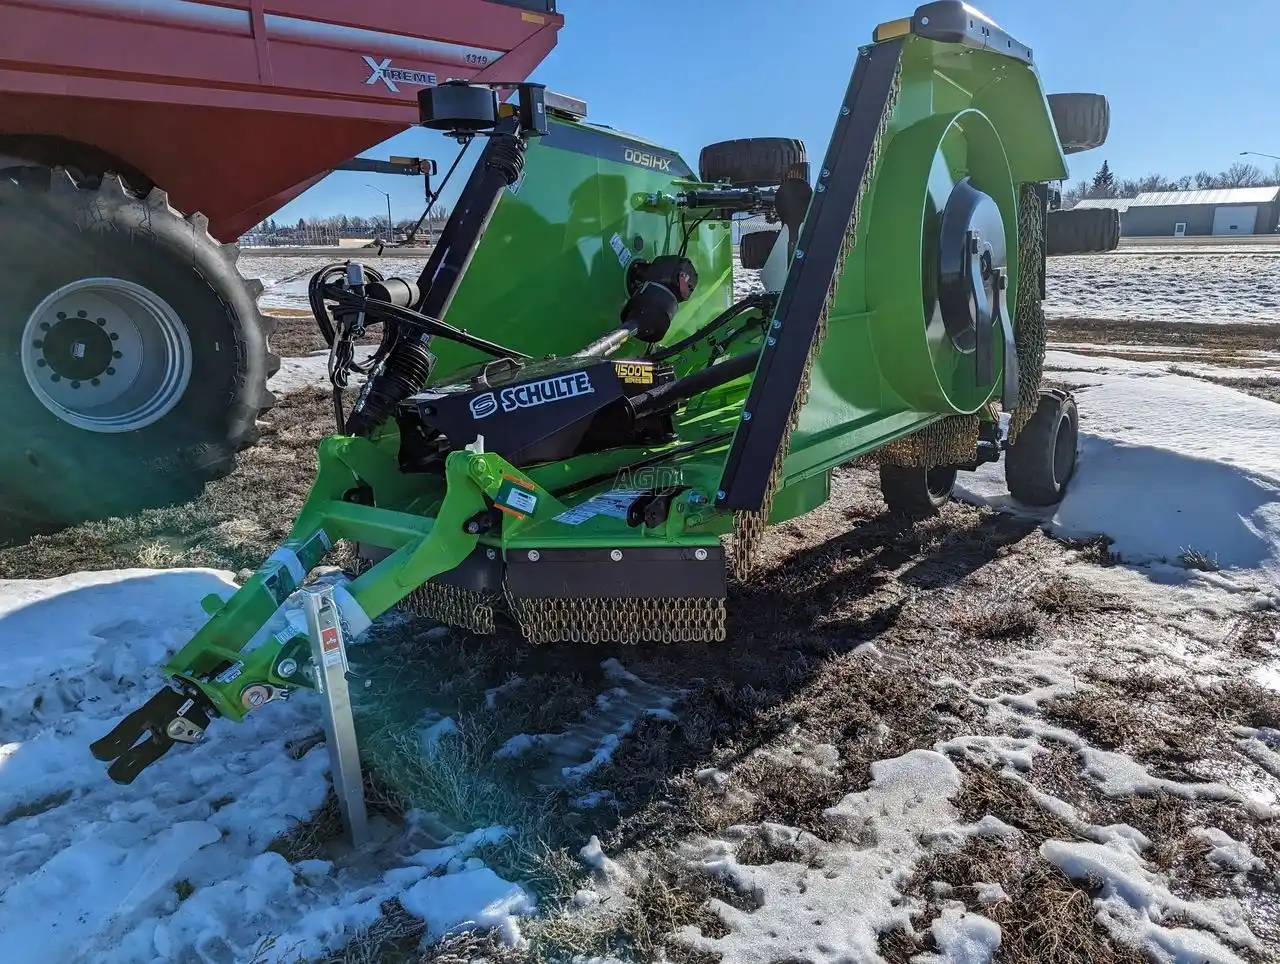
756,248
1086,231
183,328
1083,121
753,161
1039,466
915,491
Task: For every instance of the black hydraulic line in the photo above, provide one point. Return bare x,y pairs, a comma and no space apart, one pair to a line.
764,301
645,462
409,363
413,319
848,162
664,396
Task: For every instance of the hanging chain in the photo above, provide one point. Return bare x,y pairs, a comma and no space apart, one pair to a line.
748,527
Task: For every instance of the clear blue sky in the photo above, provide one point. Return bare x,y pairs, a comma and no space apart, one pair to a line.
1191,84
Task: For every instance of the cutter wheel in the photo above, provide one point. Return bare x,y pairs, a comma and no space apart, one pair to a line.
570,429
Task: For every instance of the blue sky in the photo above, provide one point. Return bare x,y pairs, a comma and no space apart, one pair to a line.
1191,84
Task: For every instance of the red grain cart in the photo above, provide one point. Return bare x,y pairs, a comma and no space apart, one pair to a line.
133,358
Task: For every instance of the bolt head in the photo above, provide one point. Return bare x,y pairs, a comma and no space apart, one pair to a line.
746,416
821,188
844,111
534,555
700,555
287,668
491,553
776,324
771,341
616,555
720,494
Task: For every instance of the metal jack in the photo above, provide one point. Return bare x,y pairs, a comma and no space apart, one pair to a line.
329,659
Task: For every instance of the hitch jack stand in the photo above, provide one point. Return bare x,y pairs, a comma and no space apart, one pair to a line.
329,658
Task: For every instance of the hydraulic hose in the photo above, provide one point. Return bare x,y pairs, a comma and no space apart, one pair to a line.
664,396
765,300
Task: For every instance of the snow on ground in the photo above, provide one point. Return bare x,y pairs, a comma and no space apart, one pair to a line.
1168,464
1131,284
175,867
1155,285
309,370
573,753
805,913
285,278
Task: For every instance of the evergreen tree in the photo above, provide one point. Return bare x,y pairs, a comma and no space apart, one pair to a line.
1104,182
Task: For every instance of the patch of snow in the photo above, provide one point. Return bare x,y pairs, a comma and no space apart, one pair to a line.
1228,852
807,914
1267,676
175,866
1152,444
430,736
590,743
1133,901
312,370
988,894
472,898
492,696
963,937
589,801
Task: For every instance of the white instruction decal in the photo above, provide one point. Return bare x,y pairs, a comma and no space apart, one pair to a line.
613,503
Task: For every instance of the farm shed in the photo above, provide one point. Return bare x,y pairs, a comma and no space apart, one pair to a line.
1245,210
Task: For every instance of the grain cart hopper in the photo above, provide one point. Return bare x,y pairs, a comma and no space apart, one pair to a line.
133,359
571,427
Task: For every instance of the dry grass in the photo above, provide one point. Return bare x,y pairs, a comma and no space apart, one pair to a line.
297,336
1096,550
1062,596
1047,919
1199,560
35,807
1001,620
1218,337
391,939
1266,387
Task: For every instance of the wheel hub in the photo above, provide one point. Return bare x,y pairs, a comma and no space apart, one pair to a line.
76,348
106,355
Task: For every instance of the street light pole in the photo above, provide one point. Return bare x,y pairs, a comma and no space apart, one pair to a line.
1274,157
390,229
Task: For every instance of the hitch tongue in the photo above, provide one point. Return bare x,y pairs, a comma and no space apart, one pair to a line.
169,717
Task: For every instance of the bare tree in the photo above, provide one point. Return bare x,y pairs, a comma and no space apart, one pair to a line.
1242,175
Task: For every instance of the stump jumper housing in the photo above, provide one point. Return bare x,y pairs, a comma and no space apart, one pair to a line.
571,427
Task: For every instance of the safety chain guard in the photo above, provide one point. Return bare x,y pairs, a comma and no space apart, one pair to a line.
748,527
582,620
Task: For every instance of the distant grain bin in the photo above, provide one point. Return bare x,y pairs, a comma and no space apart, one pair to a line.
1176,214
